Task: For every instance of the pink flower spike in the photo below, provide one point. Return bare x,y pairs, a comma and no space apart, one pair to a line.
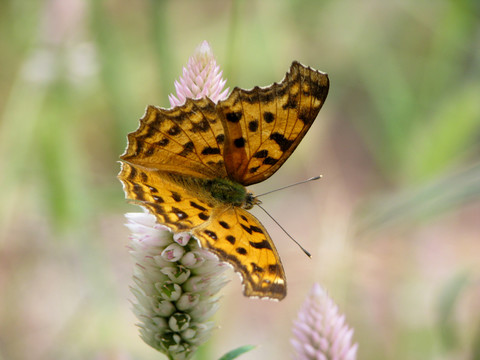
200,78
320,332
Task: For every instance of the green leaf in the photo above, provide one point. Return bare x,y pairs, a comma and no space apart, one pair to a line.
237,352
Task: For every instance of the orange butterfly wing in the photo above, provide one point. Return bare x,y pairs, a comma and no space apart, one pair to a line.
187,139
263,126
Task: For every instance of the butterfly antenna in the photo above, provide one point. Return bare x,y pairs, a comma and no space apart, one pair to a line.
285,187
285,231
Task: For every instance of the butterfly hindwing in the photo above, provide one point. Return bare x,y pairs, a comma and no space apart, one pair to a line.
172,204
230,232
263,126
237,237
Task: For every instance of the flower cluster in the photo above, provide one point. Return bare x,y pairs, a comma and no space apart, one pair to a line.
320,331
175,286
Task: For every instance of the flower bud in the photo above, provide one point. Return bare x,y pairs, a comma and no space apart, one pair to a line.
187,301
169,291
179,322
173,252
176,274
182,238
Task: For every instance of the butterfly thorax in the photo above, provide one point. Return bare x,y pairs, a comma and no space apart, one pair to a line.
230,192
220,190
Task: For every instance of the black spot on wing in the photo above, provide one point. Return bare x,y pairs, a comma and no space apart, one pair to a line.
224,224
201,126
256,229
203,216
234,117
133,173
246,228
241,251
270,161
176,196
268,117
261,154
150,151
211,234
261,245
266,96
152,189
197,206
187,149
210,151
256,268
291,103
162,143
318,90
138,146
177,118
174,130
281,141
273,268
253,125
239,142
138,191
181,214
305,117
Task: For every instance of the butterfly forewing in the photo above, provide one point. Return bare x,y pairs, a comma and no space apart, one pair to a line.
263,126
187,139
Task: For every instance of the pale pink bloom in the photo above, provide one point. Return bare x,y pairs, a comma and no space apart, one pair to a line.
320,332
201,78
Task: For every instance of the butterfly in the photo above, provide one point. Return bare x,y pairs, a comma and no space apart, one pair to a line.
189,167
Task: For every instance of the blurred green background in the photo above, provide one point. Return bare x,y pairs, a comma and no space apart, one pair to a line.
394,225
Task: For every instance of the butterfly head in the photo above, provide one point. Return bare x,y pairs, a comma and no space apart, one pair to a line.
250,201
